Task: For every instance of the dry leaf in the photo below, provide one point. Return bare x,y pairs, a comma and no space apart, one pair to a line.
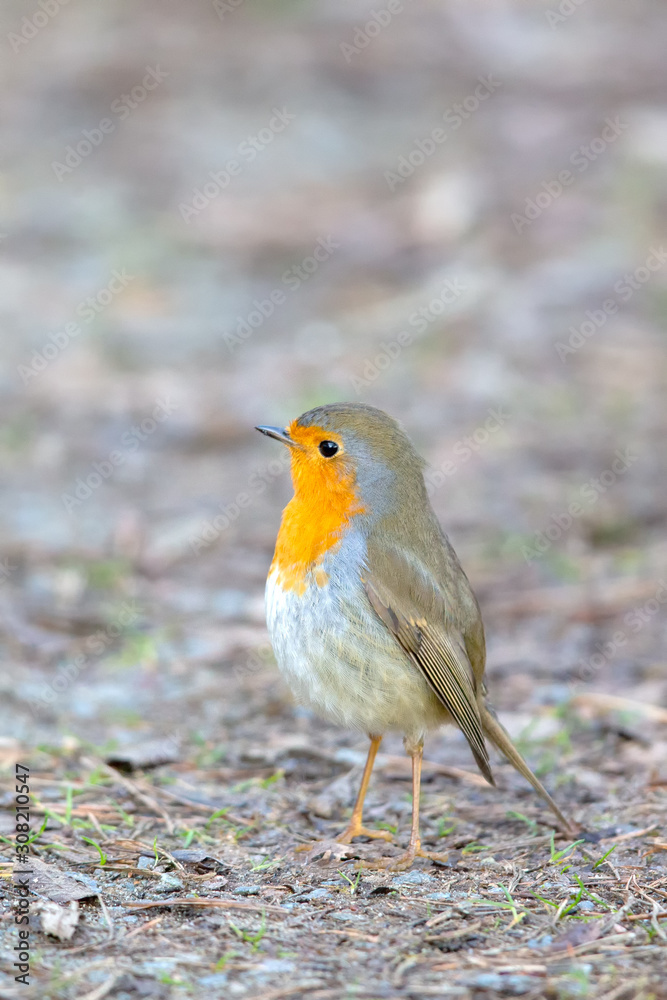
581,934
46,880
595,702
204,902
143,756
60,921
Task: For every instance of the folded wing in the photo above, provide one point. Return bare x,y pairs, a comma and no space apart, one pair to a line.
413,606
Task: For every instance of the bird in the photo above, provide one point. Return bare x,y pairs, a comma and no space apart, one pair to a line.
373,622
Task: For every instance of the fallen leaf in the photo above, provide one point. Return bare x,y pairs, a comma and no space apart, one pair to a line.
205,902
59,921
142,756
595,702
46,881
192,856
581,934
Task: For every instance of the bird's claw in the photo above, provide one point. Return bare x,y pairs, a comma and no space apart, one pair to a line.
357,830
403,861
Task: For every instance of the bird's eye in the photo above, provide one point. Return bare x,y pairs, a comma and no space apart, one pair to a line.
328,448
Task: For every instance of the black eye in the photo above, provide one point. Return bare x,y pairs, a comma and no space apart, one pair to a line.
328,448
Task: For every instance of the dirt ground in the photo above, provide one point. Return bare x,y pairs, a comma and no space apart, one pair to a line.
218,215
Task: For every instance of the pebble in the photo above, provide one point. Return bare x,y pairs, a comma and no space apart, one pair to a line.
219,882
317,894
236,988
167,884
86,879
412,878
157,966
146,863
215,979
542,942
437,896
505,985
247,890
274,967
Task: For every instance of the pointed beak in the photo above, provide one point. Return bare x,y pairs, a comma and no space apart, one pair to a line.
278,433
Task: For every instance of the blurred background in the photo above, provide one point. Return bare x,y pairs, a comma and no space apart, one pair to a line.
214,215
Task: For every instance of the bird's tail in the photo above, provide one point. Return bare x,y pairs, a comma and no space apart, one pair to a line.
498,735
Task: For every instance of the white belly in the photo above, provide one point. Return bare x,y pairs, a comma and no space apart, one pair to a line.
339,658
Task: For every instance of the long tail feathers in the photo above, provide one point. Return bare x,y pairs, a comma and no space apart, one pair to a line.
501,740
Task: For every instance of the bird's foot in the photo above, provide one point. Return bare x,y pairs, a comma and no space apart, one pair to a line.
346,837
403,861
357,830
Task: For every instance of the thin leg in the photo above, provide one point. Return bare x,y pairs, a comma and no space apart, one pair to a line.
416,751
415,842
355,828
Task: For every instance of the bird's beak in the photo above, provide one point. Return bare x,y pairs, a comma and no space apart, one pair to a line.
278,433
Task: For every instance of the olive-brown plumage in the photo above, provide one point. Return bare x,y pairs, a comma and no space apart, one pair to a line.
372,618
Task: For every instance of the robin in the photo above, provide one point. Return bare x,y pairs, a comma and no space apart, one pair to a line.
372,620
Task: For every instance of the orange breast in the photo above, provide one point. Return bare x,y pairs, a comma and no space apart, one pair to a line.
325,501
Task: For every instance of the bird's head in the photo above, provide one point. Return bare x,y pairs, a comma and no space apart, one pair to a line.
351,450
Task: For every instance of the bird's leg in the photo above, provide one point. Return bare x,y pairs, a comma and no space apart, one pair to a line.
416,752
355,828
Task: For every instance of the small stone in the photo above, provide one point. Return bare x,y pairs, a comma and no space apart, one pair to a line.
247,890
219,882
504,985
236,988
412,878
146,863
317,894
438,896
275,966
216,979
168,884
542,942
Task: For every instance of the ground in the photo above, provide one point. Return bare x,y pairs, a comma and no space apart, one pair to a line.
220,215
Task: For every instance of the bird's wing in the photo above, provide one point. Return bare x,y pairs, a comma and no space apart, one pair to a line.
407,598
